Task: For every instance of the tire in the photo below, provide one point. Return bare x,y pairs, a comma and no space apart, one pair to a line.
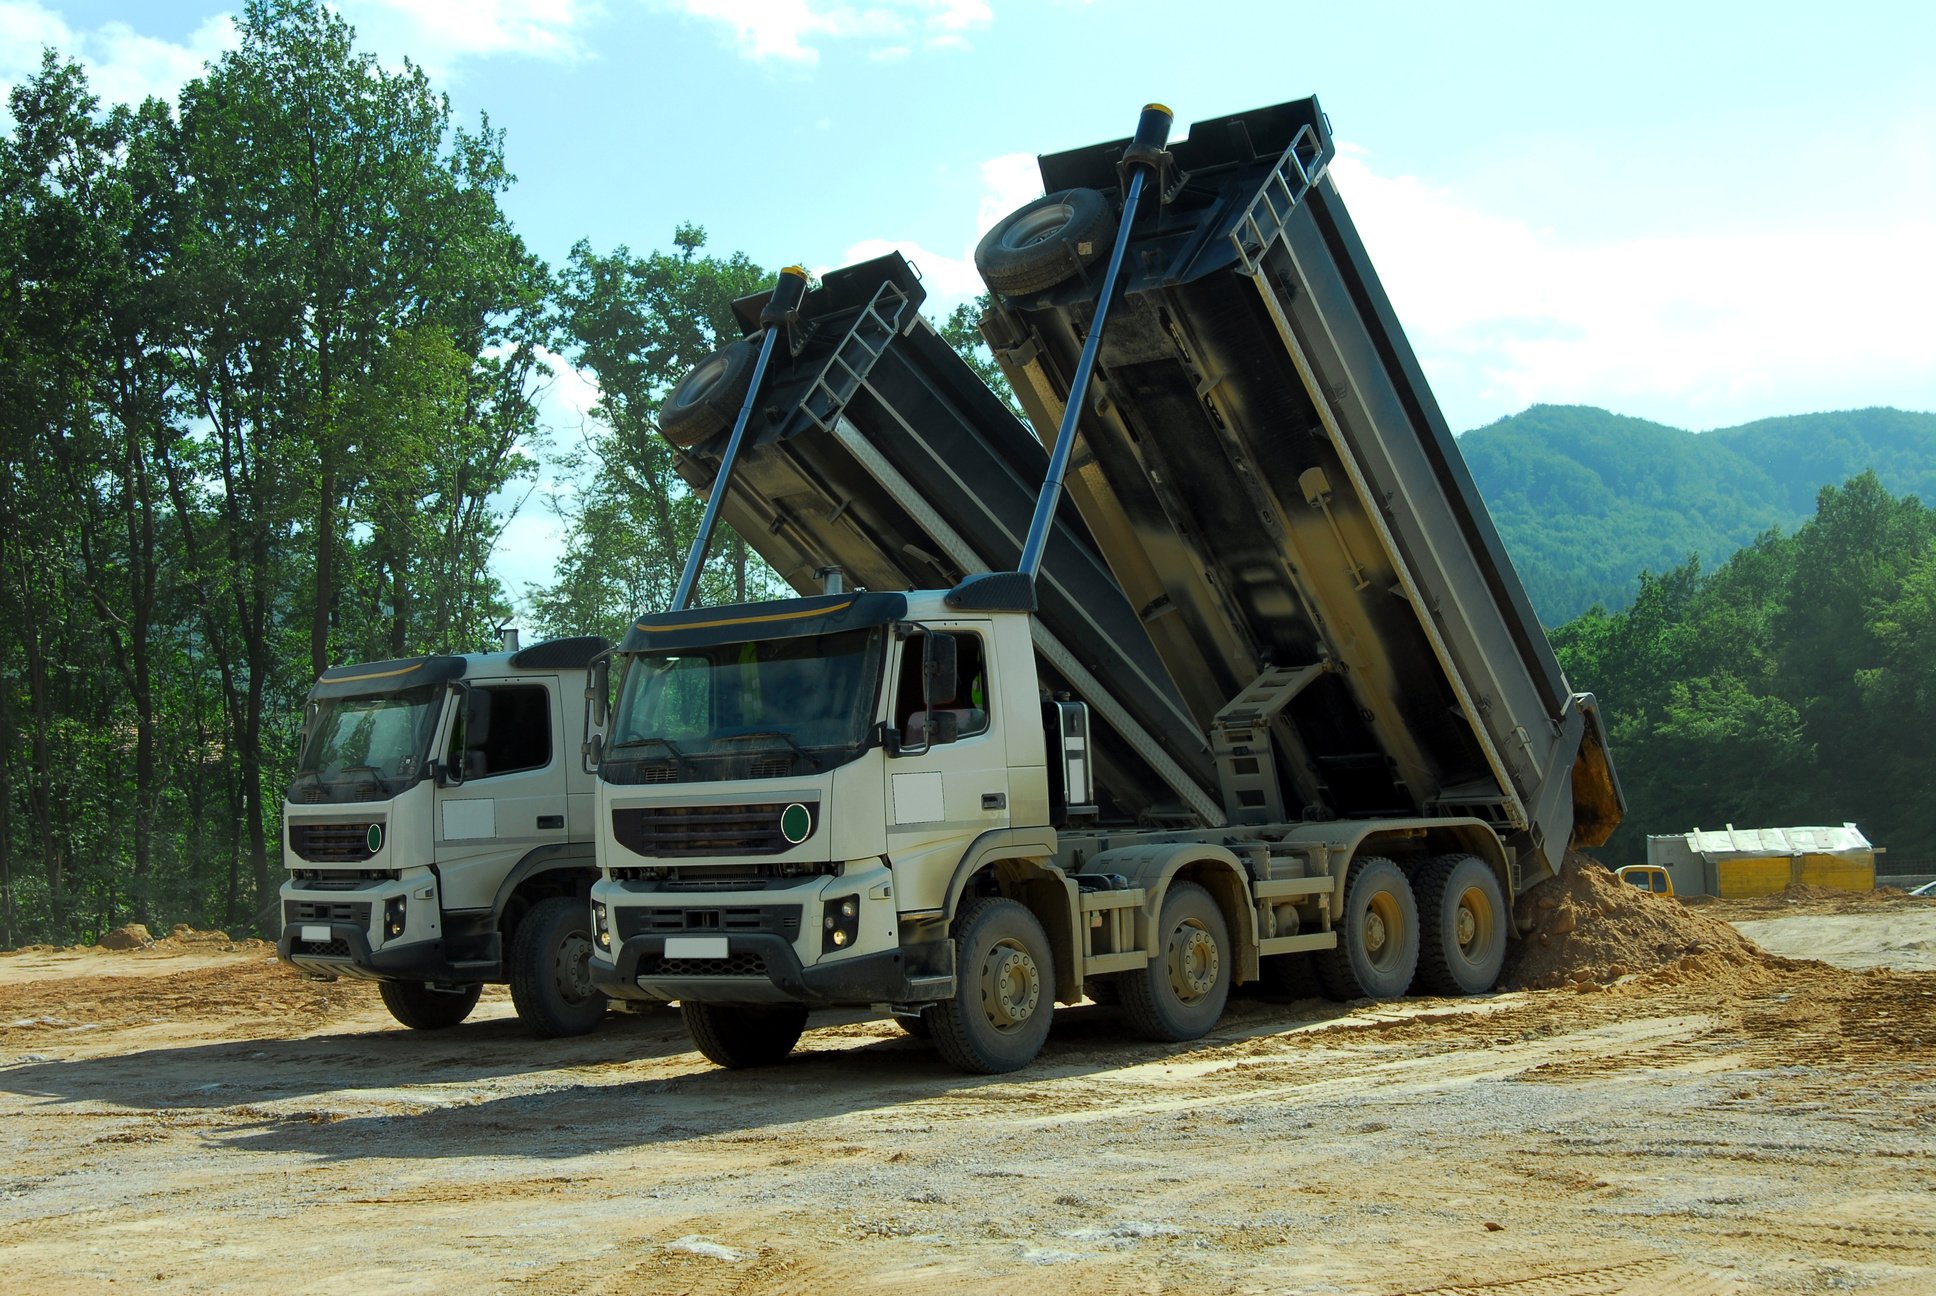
1372,960
1180,995
1005,990
916,1026
1461,926
551,984
707,400
1103,990
419,1007
1046,242
737,1036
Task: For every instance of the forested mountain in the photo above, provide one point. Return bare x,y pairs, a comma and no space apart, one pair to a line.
1586,500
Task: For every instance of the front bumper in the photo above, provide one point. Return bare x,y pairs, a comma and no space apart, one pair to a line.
347,952
763,967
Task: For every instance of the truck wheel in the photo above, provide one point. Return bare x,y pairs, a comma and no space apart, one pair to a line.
419,1007
1461,926
1005,990
707,400
737,1036
1377,948
551,978
1046,242
1180,995
915,1026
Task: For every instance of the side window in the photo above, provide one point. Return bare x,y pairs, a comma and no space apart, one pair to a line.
505,728
970,703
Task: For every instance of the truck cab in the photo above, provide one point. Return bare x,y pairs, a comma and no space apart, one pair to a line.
437,834
769,784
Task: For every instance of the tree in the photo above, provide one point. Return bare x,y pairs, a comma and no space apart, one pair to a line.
638,324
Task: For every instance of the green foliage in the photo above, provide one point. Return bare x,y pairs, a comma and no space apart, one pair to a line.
1584,499
263,369
638,324
1791,686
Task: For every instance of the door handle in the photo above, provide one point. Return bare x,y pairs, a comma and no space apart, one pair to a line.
551,821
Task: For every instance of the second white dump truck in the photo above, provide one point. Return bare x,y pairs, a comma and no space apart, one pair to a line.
1261,685
438,835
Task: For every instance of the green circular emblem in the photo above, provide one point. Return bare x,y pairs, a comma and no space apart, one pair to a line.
374,838
796,823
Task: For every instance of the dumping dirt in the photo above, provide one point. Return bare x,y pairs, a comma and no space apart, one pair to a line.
1587,928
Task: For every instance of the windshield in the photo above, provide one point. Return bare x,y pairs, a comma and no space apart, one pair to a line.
366,748
764,709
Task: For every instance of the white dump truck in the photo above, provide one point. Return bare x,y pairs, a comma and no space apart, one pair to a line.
438,835
1259,685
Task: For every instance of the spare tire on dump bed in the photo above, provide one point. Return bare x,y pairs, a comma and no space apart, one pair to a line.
706,401
1046,242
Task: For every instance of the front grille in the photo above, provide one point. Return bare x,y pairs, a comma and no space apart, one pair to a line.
679,832
782,920
326,911
739,965
321,949
331,843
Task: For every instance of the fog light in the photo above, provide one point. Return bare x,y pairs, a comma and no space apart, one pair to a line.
840,923
601,932
396,914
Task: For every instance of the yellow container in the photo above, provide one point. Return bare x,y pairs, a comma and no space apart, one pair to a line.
1754,876
1843,872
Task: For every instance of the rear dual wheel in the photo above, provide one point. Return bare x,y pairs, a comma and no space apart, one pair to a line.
1462,926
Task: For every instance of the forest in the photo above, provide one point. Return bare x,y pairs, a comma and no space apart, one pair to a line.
270,367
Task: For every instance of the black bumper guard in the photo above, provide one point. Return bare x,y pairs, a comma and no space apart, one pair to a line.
762,967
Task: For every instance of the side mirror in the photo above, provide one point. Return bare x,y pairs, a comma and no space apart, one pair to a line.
598,690
940,678
943,727
450,771
593,751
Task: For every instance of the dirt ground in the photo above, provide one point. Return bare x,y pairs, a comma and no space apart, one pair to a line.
1660,1107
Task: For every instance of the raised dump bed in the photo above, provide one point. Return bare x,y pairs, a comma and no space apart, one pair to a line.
1264,467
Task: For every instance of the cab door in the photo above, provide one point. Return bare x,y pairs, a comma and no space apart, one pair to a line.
507,740
954,789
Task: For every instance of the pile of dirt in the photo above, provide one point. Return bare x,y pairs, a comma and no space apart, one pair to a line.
1585,928
129,937
250,986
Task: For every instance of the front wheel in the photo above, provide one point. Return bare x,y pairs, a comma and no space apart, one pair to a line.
551,977
1377,949
737,1036
998,1019
1180,995
421,1007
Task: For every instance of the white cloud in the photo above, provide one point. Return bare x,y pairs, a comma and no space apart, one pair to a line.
1697,330
1009,181
439,34
123,66
568,398
794,30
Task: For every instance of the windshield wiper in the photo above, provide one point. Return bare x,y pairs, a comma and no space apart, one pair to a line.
685,762
802,752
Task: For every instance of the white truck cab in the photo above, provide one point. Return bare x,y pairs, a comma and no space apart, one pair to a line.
437,834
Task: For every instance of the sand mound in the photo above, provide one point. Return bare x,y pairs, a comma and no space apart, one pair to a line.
130,937
1586,928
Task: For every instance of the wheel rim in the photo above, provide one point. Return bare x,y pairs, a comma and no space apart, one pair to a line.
1011,986
1038,226
1193,960
1384,931
572,967
1473,925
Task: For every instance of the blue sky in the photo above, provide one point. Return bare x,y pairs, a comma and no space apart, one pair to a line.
1696,213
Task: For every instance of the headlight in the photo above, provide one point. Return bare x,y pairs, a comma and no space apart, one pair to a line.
396,914
601,930
840,923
